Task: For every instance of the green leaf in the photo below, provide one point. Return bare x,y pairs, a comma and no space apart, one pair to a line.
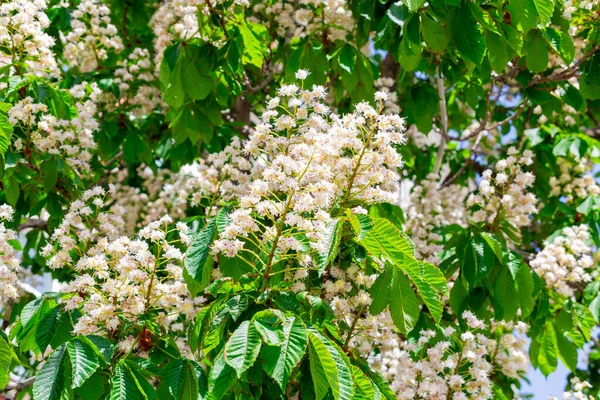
545,9
6,131
173,93
548,349
536,52
567,351
361,224
414,5
331,243
195,83
269,324
434,34
381,290
84,361
404,307
254,45
385,240
523,14
468,35
5,361
243,347
49,170
181,380
52,381
220,378
430,283
123,385
407,59
348,58
505,295
198,251
279,361
328,367
497,53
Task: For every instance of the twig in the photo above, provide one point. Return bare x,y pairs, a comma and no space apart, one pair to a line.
566,73
33,223
444,122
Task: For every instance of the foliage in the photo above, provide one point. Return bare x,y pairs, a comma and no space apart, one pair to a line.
230,205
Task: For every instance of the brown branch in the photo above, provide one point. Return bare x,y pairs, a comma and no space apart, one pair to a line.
566,73
33,223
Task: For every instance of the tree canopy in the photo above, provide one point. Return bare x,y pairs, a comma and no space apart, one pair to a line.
315,199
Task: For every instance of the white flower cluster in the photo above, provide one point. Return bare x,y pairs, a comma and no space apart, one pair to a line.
575,182
307,160
458,365
92,36
578,391
120,280
565,261
9,263
135,79
22,25
503,193
386,85
85,224
301,18
72,139
429,209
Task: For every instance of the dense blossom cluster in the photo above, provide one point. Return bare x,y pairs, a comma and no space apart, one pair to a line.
22,34
429,209
73,138
456,364
300,19
575,181
136,82
9,262
311,160
504,192
578,391
92,36
120,279
564,263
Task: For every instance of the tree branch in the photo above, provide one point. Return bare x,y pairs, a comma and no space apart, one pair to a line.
444,122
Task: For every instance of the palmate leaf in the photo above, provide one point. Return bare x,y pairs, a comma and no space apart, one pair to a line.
537,52
84,361
404,307
220,378
333,236
329,368
468,35
364,389
197,253
386,240
243,347
181,380
523,14
434,34
5,361
123,385
279,361
52,381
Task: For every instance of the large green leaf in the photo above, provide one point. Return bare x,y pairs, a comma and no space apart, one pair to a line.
381,290
430,283
434,34
123,385
523,14
333,235
386,241
243,347
545,9
279,361
505,295
220,378
404,307
537,52
5,361
329,368
6,131
548,349
181,380
468,35
52,381
198,251
414,5
84,361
